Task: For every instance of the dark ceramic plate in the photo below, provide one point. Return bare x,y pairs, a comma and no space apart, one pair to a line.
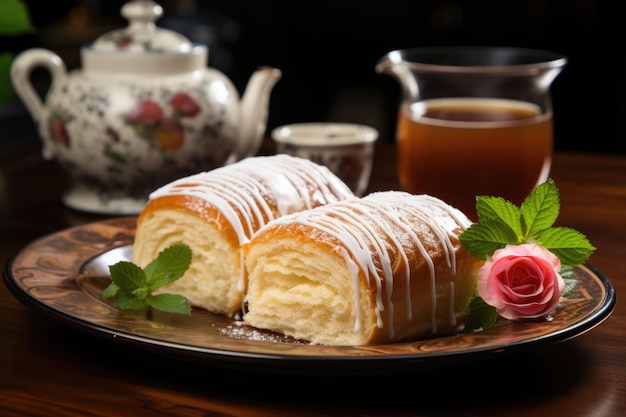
63,275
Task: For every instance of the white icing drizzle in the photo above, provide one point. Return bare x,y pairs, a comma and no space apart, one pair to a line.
405,225
364,230
245,192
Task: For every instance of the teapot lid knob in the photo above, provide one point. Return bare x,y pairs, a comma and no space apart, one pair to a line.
142,34
141,12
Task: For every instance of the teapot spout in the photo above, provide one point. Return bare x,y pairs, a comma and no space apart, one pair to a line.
254,110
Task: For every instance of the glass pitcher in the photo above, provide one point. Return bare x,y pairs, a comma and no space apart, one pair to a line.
473,121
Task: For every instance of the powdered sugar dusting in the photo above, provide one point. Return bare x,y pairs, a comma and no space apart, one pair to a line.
239,330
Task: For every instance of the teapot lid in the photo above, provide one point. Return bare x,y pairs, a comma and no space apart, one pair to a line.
142,34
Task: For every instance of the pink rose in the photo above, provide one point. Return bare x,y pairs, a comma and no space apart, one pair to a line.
521,281
145,112
184,104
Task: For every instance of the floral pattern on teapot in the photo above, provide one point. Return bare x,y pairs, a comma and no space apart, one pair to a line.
148,120
165,131
155,136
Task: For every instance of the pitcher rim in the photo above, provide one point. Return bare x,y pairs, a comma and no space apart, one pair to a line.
538,59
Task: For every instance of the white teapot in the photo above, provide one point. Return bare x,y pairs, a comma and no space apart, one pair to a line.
143,111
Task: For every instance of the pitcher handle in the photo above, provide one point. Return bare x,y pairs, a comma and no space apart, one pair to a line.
21,69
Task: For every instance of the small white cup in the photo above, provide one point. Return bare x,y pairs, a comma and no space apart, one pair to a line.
347,149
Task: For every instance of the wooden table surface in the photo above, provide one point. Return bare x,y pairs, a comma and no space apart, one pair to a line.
48,369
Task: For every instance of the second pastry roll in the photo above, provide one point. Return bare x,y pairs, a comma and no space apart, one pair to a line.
384,268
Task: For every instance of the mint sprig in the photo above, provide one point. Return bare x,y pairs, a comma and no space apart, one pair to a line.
132,286
502,223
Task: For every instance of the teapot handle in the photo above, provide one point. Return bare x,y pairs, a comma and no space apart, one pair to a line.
21,69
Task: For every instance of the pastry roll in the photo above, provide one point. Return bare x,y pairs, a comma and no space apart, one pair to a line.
215,212
384,268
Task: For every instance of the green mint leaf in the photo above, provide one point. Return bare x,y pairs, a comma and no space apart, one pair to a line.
127,276
540,209
129,302
141,293
483,238
567,273
171,303
110,291
571,246
480,316
170,264
492,208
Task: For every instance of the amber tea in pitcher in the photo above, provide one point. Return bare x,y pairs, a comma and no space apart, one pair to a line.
501,147
473,121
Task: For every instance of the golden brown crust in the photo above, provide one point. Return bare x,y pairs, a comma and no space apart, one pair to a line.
190,205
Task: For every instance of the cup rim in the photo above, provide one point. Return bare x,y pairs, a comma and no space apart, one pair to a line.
324,134
477,59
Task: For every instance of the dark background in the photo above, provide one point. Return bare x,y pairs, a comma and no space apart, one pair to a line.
327,51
